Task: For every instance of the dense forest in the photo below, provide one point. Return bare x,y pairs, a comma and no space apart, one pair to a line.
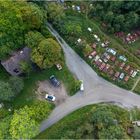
16,19
118,15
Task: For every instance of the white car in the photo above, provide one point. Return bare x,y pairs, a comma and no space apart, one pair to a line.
50,97
82,85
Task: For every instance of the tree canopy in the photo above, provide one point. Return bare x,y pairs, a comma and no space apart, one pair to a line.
118,15
22,125
6,92
47,53
55,11
17,18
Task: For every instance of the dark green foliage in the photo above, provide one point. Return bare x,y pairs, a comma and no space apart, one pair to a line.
6,92
118,15
16,84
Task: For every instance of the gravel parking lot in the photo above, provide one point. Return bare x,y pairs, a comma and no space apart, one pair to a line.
59,92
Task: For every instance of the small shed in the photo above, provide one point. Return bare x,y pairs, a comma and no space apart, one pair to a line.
12,64
126,78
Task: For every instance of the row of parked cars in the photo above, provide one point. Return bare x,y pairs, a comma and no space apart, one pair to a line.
56,83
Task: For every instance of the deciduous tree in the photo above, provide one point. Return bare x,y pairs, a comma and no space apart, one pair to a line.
47,53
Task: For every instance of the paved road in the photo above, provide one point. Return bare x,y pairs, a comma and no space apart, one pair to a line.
96,88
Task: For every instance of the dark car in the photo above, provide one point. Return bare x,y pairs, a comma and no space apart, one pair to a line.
54,81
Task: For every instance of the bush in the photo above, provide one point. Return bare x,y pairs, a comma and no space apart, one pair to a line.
76,86
16,84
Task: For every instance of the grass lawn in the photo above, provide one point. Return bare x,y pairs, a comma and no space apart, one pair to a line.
137,88
74,120
27,96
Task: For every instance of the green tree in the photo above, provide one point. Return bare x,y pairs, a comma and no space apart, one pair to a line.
113,132
4,128
33,38
55,11
47,53
71,29
16,84
32,16
136,134
6,92
16,19
23,126
25,67
39,110
87,50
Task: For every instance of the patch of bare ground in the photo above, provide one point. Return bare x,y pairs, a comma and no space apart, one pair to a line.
46,87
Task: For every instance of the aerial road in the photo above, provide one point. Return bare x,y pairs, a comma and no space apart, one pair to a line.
97,89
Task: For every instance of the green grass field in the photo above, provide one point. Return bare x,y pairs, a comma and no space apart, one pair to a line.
137,88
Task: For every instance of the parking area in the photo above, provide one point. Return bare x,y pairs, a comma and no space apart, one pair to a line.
46,87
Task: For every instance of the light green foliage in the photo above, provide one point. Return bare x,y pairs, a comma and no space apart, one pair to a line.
4,128
55,11
33,38
71,28
22,125
25,121
40,110
6,92
47,53
16,84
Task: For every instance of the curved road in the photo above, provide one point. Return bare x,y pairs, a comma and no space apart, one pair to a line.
96,88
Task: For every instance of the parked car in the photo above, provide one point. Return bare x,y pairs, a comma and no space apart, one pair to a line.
50,97
54,81
58,66
82,85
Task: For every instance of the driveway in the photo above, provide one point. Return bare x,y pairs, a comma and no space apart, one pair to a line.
97,89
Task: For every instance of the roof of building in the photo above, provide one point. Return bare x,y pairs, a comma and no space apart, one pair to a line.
117,74
12,64
93,53
94,46
127,67
126,78
113,58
